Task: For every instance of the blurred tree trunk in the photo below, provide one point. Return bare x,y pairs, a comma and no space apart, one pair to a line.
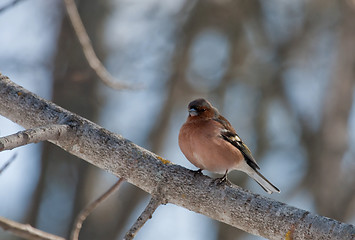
74,88
333,187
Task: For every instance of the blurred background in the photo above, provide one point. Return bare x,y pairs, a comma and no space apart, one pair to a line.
282,72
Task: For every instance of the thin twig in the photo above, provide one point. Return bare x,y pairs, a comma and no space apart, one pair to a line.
89,208
26,231
34,135
143,218
88,49
11,4
8,163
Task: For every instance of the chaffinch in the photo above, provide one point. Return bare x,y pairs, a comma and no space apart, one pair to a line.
210,143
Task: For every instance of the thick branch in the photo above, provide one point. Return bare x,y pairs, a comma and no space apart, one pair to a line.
26,231
34,135
250,212
143,218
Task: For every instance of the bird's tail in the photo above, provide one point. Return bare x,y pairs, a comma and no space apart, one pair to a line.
263,182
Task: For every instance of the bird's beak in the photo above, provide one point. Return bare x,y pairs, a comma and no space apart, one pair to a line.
193,112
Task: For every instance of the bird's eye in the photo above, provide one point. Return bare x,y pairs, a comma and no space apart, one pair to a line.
203,109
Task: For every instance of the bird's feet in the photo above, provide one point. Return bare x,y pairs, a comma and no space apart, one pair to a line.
198,172
224,179
220,181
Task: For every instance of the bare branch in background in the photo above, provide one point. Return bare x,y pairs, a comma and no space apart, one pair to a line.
89,52
26,231
143,218
8,163
89,208
9,5
34,135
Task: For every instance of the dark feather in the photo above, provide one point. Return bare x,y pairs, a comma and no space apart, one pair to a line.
229,134
236,141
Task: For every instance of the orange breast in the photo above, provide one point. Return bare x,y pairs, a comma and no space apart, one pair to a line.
204,148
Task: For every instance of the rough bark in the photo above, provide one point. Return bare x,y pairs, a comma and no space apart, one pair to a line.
174,184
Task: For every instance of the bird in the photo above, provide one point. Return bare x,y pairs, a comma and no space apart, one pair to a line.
209,142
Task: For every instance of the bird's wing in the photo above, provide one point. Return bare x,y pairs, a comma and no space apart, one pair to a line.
237,142
229,134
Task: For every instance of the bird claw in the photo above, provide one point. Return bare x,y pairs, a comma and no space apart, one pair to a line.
198,172
222,180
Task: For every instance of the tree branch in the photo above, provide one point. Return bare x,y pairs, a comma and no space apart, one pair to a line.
89,208
174,184
9,5
88,49
8,163
35,135
26,231
143,218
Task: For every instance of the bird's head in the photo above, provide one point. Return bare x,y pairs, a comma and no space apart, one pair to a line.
201,108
